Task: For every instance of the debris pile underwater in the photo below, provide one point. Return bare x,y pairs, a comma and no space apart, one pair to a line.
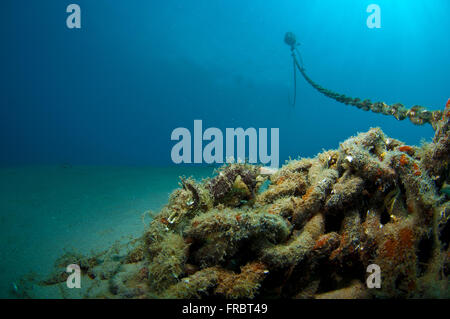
309,230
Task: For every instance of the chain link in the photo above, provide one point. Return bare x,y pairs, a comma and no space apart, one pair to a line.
418,115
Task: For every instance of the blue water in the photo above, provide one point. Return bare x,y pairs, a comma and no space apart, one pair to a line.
113,91
110,94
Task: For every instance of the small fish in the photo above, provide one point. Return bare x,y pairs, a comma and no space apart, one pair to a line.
15,288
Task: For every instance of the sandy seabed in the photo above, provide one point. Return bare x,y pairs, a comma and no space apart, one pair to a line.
47,209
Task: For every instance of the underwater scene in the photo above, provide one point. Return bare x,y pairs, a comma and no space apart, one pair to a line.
225,149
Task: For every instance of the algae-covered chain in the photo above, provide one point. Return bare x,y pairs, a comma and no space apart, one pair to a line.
417,114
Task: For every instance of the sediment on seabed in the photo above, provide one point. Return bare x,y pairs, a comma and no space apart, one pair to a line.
311,233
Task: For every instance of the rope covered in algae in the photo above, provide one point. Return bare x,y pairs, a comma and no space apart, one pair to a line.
418,115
